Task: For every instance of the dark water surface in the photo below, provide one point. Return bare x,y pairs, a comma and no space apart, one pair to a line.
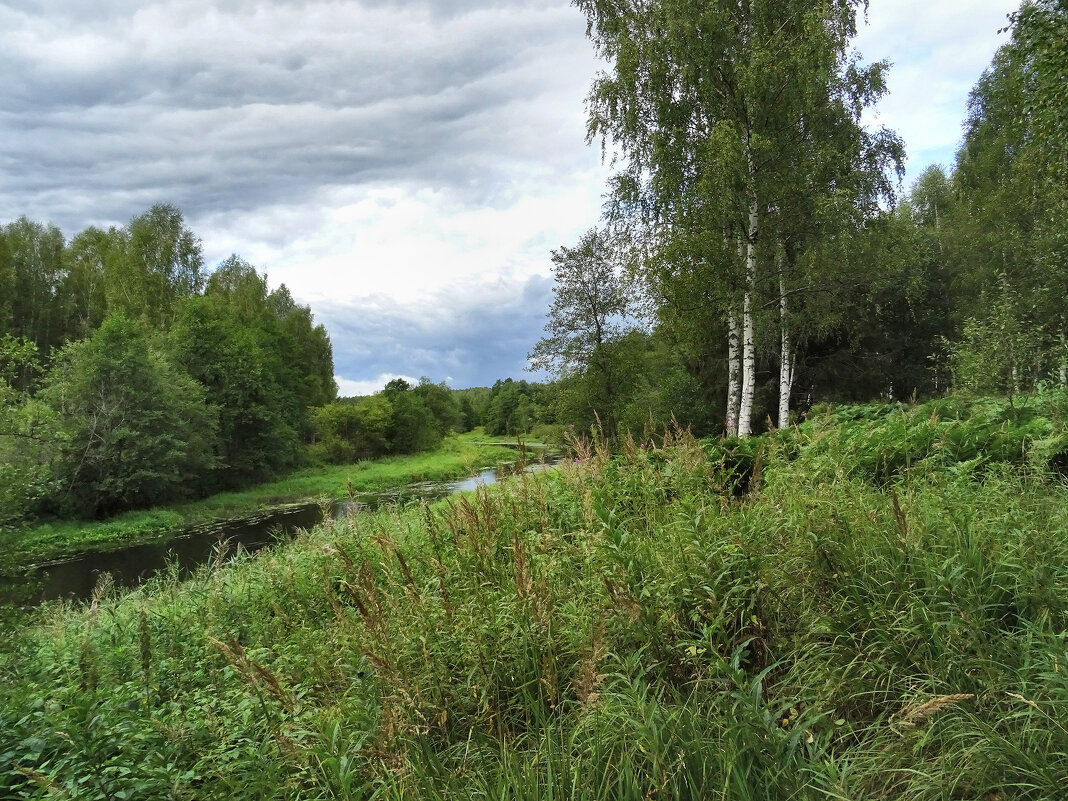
75,577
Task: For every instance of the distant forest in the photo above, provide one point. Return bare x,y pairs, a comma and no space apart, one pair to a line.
131,376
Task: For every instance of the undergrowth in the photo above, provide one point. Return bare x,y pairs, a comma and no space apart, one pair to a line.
872,605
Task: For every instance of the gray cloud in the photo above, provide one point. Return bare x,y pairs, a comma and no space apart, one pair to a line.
472,338
109,107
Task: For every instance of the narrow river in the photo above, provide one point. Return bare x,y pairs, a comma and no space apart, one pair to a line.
74,577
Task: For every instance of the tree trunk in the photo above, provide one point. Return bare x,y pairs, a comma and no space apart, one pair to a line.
734,371
745,413
1064,360
787,353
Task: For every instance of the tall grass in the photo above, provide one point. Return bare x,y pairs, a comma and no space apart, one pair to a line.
664,622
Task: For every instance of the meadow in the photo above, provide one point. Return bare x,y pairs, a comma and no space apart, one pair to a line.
870,605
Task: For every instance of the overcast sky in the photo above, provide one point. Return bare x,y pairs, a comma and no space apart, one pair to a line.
403,166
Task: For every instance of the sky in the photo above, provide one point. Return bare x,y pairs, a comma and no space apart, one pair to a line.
405,167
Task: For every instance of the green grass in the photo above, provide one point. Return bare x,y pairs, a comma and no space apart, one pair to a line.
670,621
457,457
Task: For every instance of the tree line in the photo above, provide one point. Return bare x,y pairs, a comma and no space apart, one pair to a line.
403,418
131,376
756,256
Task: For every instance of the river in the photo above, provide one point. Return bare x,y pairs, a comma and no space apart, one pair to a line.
74,577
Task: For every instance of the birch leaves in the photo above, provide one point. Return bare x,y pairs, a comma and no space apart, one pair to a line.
727,121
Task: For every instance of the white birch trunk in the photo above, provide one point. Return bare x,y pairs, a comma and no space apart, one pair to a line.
734,371
745,413
786,353
1064,361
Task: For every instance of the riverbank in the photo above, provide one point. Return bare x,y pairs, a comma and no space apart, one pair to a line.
457,457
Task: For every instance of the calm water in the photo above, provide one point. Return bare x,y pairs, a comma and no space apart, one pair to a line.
75,577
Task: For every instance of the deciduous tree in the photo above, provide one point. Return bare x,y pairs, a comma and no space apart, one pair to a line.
585,322
715,108
137,430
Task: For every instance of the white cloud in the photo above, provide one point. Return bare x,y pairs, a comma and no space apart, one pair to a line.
937,52
409,243
347,388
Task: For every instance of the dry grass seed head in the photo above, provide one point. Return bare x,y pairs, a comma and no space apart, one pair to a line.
543,605
914,714
389,549
588,680
369,585
251,671
523,583
621,601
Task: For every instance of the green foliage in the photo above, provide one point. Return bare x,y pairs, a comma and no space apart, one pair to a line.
1011,180
27,433
996,354
441,402
233,362
31,266
413,426
515,407
1039,33
134,426
260,361
456,458
348,432
161,262
29,439
621,628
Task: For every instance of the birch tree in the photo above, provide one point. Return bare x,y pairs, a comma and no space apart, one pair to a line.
703,109
841,174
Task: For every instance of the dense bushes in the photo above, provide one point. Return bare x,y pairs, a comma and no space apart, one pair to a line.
399,419
133,427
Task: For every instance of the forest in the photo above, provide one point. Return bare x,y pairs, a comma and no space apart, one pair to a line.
132,377
756,257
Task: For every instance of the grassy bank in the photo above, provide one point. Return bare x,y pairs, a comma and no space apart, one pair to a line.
457,457
870,606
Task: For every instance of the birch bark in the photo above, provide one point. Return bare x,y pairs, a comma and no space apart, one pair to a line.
787,351
745,411
734,371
